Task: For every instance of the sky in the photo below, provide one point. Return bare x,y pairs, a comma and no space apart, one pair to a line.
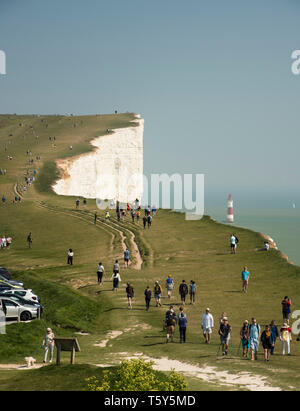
212,80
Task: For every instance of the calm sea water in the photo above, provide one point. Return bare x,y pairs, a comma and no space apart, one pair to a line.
282,225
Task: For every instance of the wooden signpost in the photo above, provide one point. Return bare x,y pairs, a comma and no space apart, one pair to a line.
66,344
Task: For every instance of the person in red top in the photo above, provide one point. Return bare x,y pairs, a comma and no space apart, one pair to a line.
286,309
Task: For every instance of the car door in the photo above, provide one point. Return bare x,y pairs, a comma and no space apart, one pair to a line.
12,309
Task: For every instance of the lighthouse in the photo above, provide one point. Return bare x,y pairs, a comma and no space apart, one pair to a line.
230,218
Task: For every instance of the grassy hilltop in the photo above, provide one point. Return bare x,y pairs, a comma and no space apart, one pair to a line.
75,303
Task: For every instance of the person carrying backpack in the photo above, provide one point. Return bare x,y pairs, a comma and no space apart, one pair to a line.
182,322
224,332
169,285
183,291
254,331
116,279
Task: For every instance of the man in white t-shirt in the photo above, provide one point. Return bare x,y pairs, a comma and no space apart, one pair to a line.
233,244
207,325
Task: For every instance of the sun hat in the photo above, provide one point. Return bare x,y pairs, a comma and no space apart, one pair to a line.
285,325
48,329
207,309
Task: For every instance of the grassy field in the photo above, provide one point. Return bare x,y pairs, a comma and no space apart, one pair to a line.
75,303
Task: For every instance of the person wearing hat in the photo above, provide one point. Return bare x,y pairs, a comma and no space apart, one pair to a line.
207,325
48,343
130,294
157,293
286,338
245,338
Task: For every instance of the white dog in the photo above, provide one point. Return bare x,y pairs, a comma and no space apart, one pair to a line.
30,361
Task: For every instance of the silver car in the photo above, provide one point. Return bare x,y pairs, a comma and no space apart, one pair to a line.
15,310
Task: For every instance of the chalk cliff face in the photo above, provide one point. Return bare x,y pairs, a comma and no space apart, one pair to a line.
112,171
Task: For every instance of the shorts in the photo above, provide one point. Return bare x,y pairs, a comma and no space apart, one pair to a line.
126,259
170,329
254,344
157,296
286,315
207,330
245,282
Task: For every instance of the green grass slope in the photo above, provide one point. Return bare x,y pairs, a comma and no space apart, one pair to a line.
75,303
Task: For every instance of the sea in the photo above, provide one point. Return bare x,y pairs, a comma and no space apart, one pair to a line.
282,225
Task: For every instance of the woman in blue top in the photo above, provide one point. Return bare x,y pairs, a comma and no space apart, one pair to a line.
274,335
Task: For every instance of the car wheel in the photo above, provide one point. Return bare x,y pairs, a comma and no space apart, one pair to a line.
25,316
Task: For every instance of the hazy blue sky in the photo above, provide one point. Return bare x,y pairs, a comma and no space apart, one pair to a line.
212,79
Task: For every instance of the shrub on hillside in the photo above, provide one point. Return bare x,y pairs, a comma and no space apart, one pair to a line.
137,375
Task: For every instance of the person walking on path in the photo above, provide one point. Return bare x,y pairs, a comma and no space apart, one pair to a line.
192,290
254,332
77,203
266,341
116,267
274,335
169,285
29,240
286,338
148,295
224,332
133,215
157,293
126,257
70,256
138,214
207,325
144,221
245,279
48,343
100,272
116,279
245,338
170,322
95,218
149,220
183,291
286,309
130,294
182,322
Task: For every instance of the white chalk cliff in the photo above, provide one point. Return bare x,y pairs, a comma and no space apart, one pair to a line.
112,171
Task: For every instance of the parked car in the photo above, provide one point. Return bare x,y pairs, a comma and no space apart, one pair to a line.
26,294
21,300
5,273
7,285
15,309
11,281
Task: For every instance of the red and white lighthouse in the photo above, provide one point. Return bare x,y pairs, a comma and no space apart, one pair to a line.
230,218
